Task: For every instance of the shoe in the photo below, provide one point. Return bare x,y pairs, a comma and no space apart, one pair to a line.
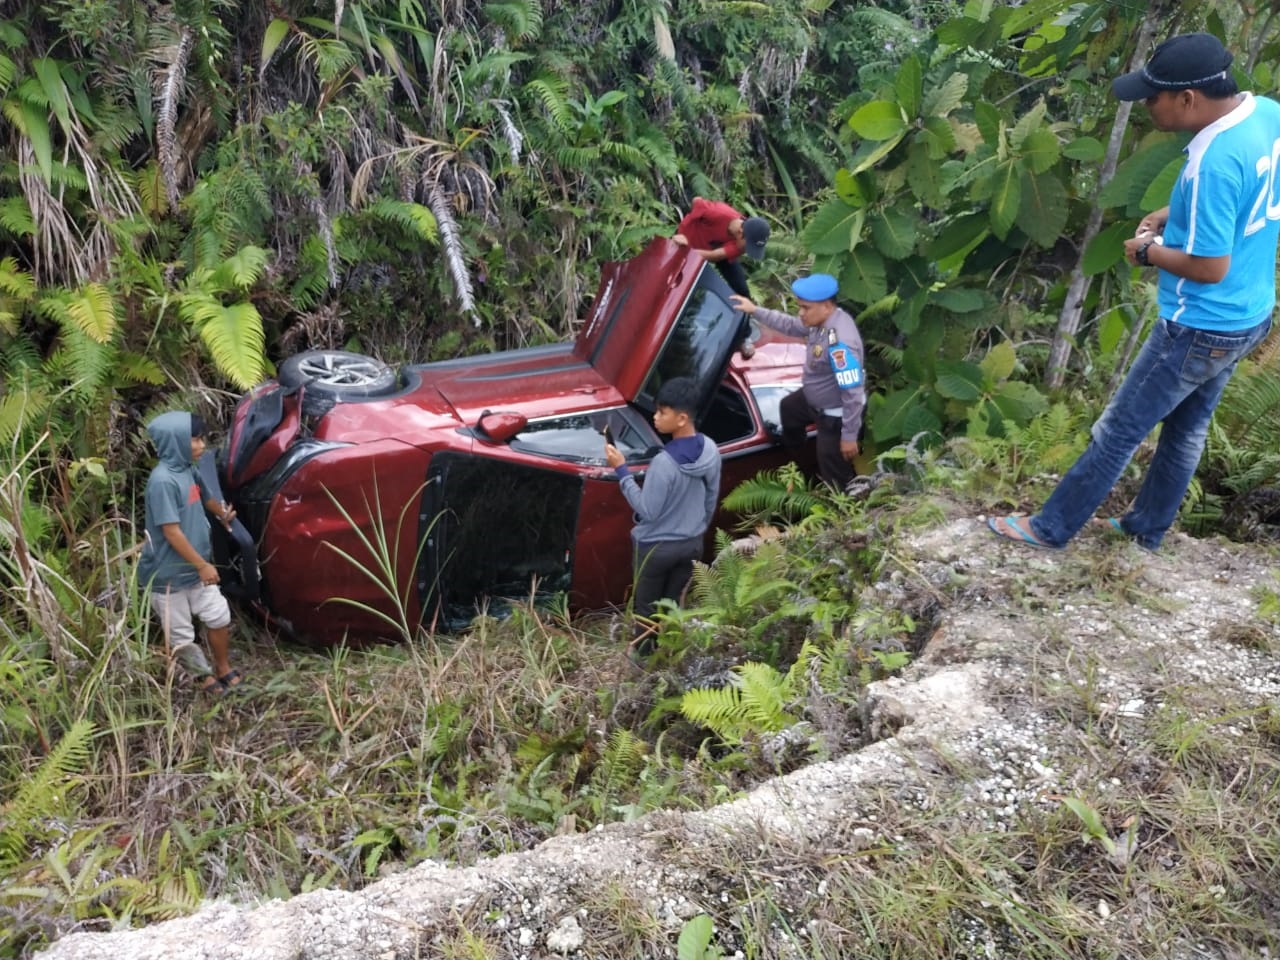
1018,529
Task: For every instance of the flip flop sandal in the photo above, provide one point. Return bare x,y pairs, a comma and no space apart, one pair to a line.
1019,530
210,686
231,680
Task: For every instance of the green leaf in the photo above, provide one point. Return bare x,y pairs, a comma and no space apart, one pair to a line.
939,136
235,338
8,70
1161,187
999,363
959,299
959,234
36,127
871,153
94,311
890,415
1135,174
1042,211
852,190
863,278
1006,197
271,38
878,120
988,120
1106,249
1085,149
894,232
959,380
1018,401
1040,150
1112,329
695,937
835,228
46,70
908,85
946,96
1028,122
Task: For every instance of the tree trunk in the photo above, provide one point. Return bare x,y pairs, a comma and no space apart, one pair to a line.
1078,288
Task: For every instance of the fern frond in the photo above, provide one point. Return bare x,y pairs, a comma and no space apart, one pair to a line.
234,336
520,19
773,494
82,361
19,409
135,368
242,269
93,309
15,216
413,217
553,92
43,794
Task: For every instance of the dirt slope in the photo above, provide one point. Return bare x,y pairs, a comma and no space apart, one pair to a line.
970,722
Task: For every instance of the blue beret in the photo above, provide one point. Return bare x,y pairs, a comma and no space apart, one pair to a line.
818,286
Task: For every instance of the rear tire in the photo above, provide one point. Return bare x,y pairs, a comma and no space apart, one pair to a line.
327,377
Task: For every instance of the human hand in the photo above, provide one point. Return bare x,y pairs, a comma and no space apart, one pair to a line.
227,515
613,456
739,302
1153,223
848,449
208,574
681,240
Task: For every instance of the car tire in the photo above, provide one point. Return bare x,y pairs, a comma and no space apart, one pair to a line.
336,376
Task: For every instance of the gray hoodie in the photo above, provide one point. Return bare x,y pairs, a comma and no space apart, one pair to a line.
173,496
680,491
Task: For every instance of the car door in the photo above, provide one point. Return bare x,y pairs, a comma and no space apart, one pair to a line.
660,315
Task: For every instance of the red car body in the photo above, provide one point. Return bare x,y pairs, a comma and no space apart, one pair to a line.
419,496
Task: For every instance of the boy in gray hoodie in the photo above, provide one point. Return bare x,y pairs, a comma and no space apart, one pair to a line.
175,563
674,506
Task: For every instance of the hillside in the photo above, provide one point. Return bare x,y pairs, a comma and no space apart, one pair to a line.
1082,762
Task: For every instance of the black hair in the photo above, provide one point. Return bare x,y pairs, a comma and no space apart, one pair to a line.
198,427
679,394
1221,88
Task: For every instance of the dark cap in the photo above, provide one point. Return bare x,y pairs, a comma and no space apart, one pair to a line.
1184,62
755,232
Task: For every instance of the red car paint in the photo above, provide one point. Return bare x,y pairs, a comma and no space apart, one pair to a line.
375,514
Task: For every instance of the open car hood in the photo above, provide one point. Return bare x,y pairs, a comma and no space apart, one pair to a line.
659,315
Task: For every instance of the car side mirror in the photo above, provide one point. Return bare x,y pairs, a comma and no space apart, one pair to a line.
500,427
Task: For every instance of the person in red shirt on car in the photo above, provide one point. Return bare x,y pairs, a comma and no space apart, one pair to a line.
721,235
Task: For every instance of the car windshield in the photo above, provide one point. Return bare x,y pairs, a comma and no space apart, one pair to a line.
699,343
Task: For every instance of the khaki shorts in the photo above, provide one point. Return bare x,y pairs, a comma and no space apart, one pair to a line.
179,608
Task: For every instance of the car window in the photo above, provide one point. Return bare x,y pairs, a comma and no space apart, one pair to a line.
698,346
579,437
768,397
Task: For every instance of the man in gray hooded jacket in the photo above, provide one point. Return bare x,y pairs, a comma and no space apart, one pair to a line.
175,563
674,506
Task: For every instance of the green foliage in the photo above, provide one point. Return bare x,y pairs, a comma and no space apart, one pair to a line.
757,700
695,940
44,795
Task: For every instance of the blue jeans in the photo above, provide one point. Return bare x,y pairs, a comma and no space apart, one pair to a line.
1177,379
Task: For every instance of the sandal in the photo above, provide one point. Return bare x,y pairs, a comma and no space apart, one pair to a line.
210,685
1018,529
231,680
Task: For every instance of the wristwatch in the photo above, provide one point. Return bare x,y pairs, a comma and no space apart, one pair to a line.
1142,256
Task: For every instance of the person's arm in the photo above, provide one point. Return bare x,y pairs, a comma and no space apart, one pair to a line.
183,548
222,510
782,322
1178,262
648,500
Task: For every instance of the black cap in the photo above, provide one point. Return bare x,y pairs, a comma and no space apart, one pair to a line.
1183,62
755,233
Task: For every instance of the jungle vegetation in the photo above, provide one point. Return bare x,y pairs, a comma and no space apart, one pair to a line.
191,191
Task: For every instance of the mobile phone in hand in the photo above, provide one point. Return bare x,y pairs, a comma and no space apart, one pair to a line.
608,434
